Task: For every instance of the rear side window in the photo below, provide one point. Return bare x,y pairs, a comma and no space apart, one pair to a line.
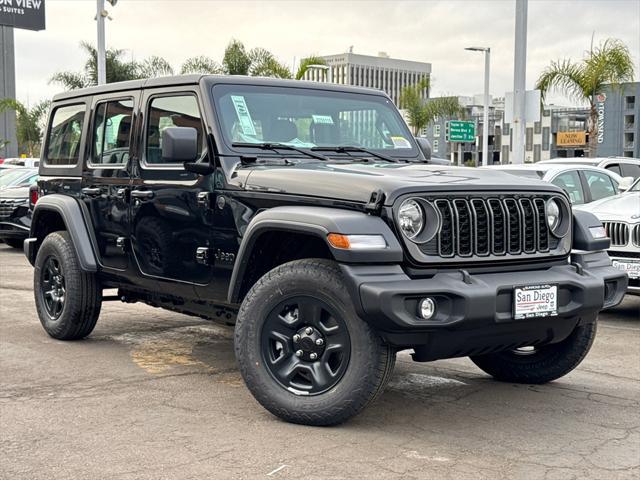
112,133
615,168
164,112
65,135
600,185
630,170
570,183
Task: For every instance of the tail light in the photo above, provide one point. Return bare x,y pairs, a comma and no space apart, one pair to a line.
33,196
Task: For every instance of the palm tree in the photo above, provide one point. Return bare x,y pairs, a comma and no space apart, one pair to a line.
422,112
610,63
29,124
255,62
306,62
118,70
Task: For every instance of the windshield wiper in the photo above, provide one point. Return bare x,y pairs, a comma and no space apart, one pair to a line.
280,146
349,148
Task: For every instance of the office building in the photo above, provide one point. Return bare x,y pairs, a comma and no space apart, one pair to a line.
380,72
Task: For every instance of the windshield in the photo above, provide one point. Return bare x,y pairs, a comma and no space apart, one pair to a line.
635,187
12,177
305,117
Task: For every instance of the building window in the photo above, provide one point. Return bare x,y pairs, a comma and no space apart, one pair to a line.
505,155
435,145
436,130
630,102
536,127
546,132
529,139
536,153
546,113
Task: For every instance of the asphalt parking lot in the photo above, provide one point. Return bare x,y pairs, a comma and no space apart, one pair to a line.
154,394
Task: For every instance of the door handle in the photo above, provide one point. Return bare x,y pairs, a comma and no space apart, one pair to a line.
141,193
92,191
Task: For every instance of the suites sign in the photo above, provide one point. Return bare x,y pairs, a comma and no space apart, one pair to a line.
571,139
26,14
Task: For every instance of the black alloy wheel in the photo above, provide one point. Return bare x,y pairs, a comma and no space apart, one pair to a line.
305,345
52,287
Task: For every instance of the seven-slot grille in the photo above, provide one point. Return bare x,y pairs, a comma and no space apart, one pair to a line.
8,205
618,232
504,225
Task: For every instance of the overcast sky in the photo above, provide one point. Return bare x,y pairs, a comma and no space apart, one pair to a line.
428,31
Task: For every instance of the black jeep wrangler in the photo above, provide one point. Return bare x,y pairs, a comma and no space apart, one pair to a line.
308,214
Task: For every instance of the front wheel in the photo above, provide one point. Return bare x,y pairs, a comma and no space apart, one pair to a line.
540,364
303,352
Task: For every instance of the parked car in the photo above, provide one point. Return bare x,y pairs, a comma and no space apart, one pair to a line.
15,214
583,184
308,214
22,162
623,166
620,216
18,177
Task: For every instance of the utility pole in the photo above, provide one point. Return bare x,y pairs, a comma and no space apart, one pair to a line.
519,82
102,68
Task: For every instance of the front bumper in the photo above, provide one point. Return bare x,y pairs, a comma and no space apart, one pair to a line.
14,229
474,311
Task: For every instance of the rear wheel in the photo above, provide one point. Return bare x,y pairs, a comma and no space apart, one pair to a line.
68,300
303,352
539,364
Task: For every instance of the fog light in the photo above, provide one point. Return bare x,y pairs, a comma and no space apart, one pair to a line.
427,308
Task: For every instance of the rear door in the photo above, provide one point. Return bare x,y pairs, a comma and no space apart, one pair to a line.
107,174
170,219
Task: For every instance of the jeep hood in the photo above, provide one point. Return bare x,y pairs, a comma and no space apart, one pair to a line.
356,182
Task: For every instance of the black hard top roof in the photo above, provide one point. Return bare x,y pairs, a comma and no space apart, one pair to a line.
179,80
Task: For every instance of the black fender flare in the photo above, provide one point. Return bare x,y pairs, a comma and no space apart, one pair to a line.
319,222
71,212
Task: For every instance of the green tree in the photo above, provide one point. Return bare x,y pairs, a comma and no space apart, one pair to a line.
255,62
236,60
610,63
29,124
306,62
422,112
117,69
201,64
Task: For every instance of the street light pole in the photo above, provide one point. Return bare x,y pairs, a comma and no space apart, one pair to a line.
485,108
519,82
101,50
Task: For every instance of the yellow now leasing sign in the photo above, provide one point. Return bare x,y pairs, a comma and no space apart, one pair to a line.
570,139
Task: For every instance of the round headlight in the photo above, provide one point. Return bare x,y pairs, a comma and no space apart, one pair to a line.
554,214
411,218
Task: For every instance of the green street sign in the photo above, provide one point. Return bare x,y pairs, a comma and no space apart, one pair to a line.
459,131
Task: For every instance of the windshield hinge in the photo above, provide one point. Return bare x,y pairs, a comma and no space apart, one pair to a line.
374,206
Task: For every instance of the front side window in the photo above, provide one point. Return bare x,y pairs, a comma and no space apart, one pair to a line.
600,185
308,118
65,135
112,133
615,168
570,183
174,111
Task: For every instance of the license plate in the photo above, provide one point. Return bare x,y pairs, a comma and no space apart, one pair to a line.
535,301
630,266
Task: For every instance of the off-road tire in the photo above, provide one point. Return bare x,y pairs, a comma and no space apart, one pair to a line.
371,360
83,295
14,242
545,364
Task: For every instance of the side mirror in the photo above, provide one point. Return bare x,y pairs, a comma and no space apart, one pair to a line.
179,144
425,147
625,183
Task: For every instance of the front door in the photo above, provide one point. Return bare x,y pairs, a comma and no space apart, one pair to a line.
171,223
106,176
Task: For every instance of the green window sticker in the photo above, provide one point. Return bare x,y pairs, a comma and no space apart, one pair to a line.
244,117
324,119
